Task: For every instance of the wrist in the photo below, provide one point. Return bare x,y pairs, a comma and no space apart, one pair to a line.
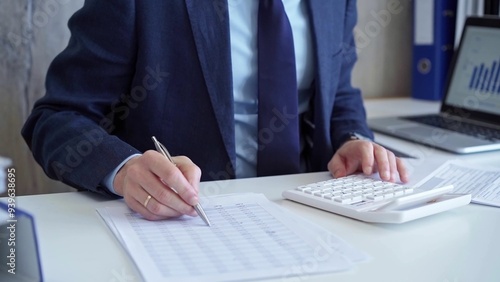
118,181
119,178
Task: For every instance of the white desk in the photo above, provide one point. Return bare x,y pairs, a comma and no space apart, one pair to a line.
458,245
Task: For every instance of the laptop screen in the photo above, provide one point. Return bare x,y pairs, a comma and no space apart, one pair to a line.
475,84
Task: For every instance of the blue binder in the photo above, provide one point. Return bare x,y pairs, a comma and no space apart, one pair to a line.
433,40
19,255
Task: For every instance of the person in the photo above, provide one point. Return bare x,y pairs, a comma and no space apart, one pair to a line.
186,72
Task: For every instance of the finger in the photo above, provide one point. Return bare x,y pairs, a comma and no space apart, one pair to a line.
393,169
337,167
173,177
165,199
146,213
158,209
382,162
191,171
367,156
403,172
138,207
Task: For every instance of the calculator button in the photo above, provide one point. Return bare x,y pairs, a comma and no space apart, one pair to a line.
376,197
408,191
389,195
318,194
398,193
356,199
303,188
343,200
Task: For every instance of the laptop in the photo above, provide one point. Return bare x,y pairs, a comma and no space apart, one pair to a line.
469,118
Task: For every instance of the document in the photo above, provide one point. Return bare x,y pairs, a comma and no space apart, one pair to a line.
250,238
482,183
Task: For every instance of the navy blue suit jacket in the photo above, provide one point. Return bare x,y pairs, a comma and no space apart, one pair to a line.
134,69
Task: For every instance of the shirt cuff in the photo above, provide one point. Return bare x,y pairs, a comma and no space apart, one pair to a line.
110,178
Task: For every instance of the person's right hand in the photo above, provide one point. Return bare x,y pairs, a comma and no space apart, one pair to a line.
151,174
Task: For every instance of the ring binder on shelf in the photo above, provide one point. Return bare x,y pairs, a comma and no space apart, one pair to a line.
433,38
491,7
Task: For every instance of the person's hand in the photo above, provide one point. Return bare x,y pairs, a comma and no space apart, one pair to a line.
151,174
367,157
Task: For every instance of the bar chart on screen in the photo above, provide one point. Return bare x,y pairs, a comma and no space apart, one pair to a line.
476,79
485,78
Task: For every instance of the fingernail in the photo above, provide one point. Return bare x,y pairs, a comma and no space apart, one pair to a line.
194,201
404,178
367,170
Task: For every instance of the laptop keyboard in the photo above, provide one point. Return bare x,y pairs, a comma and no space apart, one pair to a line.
470,129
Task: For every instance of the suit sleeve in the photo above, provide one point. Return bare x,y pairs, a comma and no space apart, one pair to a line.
348,114
70,129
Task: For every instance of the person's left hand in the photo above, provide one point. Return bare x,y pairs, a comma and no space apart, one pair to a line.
367,157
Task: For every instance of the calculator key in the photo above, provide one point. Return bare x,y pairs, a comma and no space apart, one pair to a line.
356,199
357,193
326,195
408,191
303,188
399,192
389,195
376,197
343,200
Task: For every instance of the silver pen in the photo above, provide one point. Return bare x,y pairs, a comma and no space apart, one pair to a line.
160,148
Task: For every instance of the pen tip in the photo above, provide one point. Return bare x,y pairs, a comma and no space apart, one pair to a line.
205,218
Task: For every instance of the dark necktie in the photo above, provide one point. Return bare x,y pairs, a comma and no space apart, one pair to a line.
278,135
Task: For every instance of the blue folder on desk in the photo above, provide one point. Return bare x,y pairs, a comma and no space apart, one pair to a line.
433,40
19,256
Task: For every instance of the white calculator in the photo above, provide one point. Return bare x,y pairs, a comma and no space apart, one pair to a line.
367,199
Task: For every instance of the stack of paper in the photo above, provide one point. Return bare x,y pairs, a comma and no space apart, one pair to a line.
483,183
250,238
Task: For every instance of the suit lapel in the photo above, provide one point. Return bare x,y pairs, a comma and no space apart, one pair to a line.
210,25
327,25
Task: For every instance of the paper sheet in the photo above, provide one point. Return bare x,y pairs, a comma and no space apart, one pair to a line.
482,183
250,238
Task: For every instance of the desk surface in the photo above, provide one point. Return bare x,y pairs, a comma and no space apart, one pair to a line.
458,245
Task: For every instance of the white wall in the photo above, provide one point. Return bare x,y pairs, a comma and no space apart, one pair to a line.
384,42
32,32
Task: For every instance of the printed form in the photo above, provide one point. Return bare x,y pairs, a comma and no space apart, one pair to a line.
250,238
482,183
